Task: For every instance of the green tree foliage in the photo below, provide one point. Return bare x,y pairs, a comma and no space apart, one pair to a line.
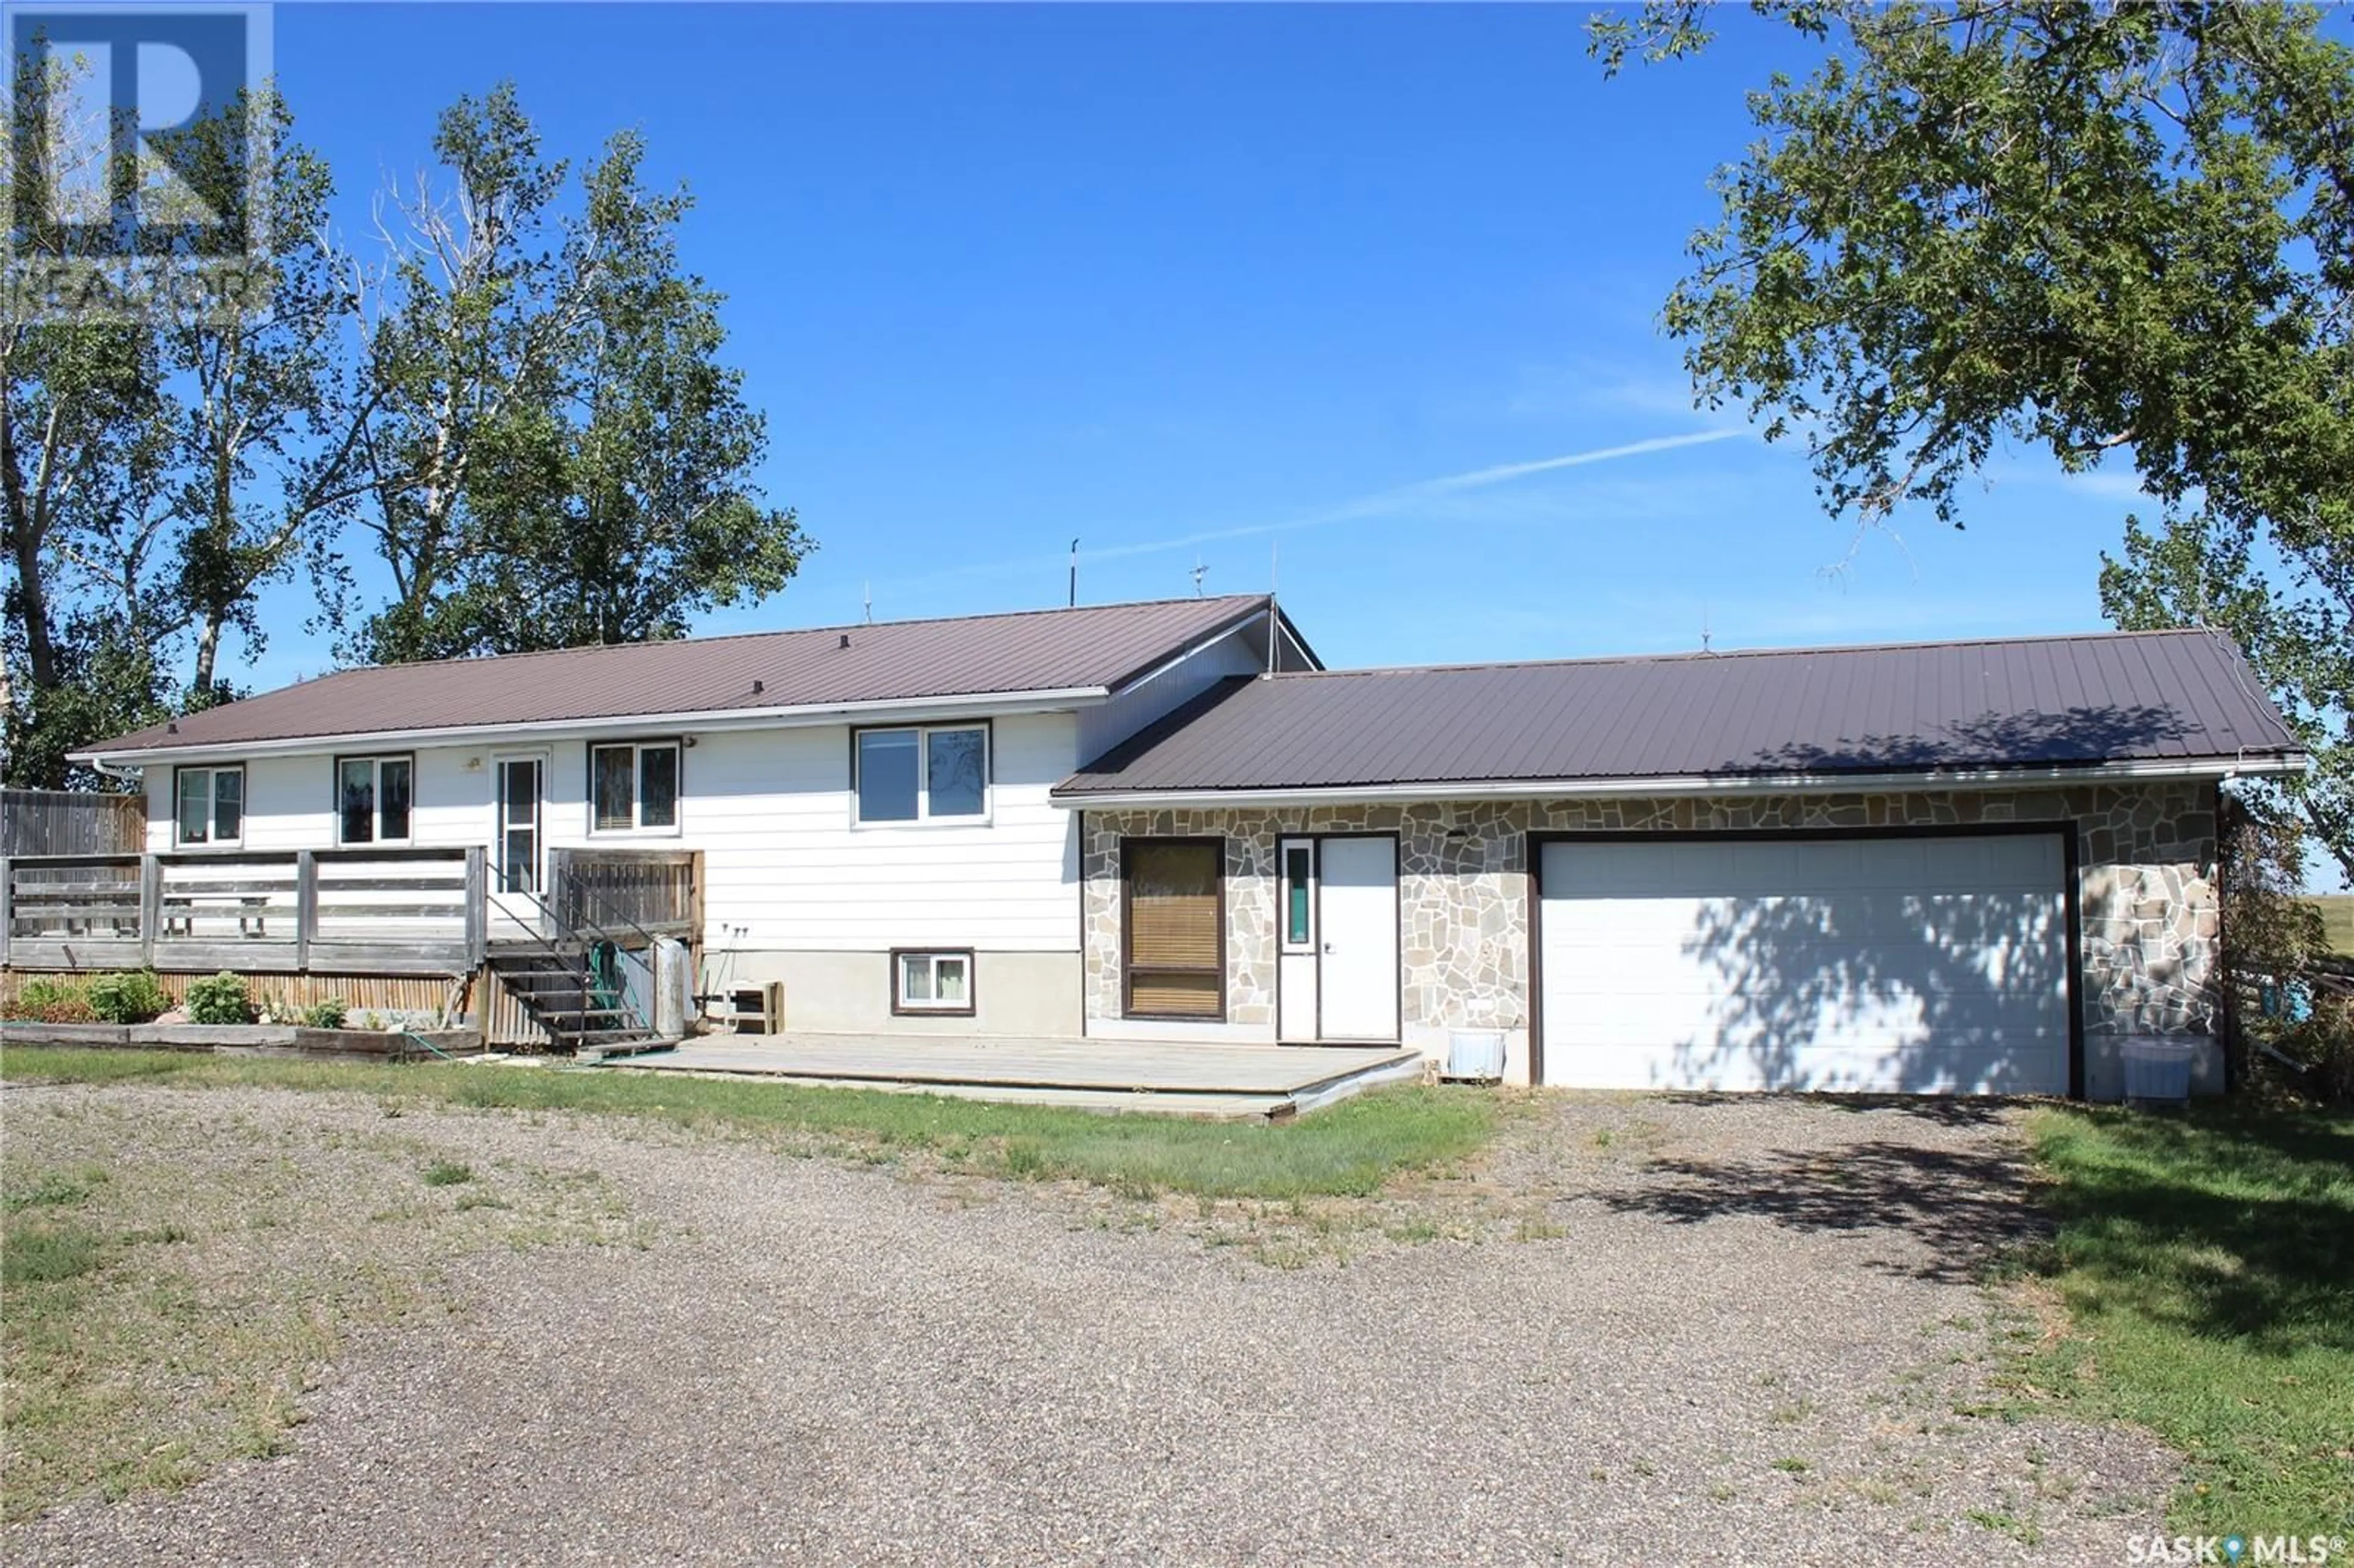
522,408
560,456
2099,229
155,472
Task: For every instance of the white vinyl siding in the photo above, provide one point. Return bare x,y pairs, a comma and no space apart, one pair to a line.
773,810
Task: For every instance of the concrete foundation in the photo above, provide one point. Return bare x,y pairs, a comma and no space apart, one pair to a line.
849,993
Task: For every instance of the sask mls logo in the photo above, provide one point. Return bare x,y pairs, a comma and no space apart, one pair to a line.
139,157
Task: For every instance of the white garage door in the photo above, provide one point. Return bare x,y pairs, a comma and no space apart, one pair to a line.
1915,965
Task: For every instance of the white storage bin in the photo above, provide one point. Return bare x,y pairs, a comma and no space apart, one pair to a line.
1476,1054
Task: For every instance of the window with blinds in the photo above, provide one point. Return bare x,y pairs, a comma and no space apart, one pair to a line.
1175,952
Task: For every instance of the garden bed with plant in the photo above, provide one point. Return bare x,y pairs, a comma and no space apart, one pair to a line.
134,1011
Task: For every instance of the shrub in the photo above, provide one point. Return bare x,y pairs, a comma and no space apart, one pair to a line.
133,998
2325,1043
53,1001
221,998
327,1014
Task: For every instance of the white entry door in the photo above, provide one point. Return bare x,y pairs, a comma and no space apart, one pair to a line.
519,789
1357,956
1890,965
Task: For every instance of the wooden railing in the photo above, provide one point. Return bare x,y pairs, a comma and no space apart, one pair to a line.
654,893
355,911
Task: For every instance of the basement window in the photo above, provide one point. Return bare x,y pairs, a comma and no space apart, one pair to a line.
935,983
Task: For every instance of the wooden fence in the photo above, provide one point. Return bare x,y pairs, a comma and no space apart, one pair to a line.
71,821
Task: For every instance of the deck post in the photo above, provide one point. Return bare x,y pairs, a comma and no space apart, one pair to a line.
559,884
7,912
477,911
151,906
306,907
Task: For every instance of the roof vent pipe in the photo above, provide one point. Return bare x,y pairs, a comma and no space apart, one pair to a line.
845,640
759,686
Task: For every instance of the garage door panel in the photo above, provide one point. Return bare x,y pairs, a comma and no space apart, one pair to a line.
1912,965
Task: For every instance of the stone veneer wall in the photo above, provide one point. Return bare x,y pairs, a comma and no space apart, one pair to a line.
2146,896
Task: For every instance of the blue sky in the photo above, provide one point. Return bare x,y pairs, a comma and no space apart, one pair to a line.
1196,285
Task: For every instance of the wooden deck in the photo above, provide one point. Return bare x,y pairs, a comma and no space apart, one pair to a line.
1258,1083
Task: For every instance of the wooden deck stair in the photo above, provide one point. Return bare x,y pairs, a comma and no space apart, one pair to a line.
554,984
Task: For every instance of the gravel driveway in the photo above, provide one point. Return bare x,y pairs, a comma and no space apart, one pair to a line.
1736,1331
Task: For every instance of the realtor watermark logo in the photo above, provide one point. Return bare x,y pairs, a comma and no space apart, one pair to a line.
138,151
2236,1549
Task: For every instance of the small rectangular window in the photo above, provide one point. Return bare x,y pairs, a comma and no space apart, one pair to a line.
1299,900
932,983
922,775
372,796
633,785
208,805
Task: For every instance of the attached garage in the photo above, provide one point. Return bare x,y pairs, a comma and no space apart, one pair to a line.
1902,965
1956,868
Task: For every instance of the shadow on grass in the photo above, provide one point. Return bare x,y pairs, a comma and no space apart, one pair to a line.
2229,1223
1958,1204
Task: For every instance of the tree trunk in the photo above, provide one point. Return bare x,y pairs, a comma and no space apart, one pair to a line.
25,535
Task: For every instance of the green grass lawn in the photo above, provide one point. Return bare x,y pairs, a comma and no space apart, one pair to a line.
2337,921
1347,1150
2206,1262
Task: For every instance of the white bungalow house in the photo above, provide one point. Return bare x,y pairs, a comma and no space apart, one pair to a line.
862,813
1959,867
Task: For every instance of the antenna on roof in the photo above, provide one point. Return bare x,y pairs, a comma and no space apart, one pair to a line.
1703,627
1199,571
1274,616
868,589
1075,575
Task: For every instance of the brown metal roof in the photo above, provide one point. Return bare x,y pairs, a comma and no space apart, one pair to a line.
1035,650
2014,702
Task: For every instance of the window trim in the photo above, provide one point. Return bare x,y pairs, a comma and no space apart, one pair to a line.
902,1008
212,806
335,795
1217,844
923,817
637,750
